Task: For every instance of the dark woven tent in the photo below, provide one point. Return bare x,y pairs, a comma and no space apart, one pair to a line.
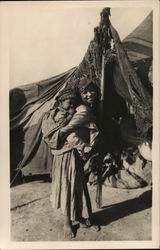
126,81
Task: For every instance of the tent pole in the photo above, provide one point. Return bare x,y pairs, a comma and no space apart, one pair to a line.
99,174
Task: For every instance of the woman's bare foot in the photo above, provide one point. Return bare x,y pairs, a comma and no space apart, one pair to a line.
68,233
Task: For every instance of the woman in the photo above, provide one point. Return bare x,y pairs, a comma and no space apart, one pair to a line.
72,145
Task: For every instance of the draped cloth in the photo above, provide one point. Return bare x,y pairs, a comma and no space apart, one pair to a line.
139,97
69,188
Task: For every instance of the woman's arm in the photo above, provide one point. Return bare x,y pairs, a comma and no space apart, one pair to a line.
81,118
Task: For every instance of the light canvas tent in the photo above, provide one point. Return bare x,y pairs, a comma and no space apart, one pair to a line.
126,80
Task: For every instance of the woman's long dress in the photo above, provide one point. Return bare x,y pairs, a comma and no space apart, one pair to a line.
69,188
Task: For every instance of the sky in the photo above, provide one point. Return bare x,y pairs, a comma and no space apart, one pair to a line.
46,39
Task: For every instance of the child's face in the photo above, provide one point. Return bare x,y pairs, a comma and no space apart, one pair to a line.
67,104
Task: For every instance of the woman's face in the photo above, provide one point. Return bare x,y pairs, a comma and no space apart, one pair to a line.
67,104
89,95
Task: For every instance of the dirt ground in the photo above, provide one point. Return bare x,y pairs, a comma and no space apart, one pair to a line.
125,215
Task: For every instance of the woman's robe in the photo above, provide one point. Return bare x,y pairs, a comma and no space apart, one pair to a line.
69,188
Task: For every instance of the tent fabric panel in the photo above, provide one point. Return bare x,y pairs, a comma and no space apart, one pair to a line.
120,85
136,56
138,48
22,106
141,99
144,31
31,89
28,94
41,163
140,40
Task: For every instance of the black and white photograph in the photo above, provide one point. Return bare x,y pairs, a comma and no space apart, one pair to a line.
83,122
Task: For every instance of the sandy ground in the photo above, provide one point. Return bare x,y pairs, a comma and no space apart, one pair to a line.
125,215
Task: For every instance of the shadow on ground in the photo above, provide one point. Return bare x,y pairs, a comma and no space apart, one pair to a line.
117,211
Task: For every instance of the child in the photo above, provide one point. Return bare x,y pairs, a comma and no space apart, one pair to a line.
59,117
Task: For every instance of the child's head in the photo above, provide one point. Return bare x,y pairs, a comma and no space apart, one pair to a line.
67,104
66,99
